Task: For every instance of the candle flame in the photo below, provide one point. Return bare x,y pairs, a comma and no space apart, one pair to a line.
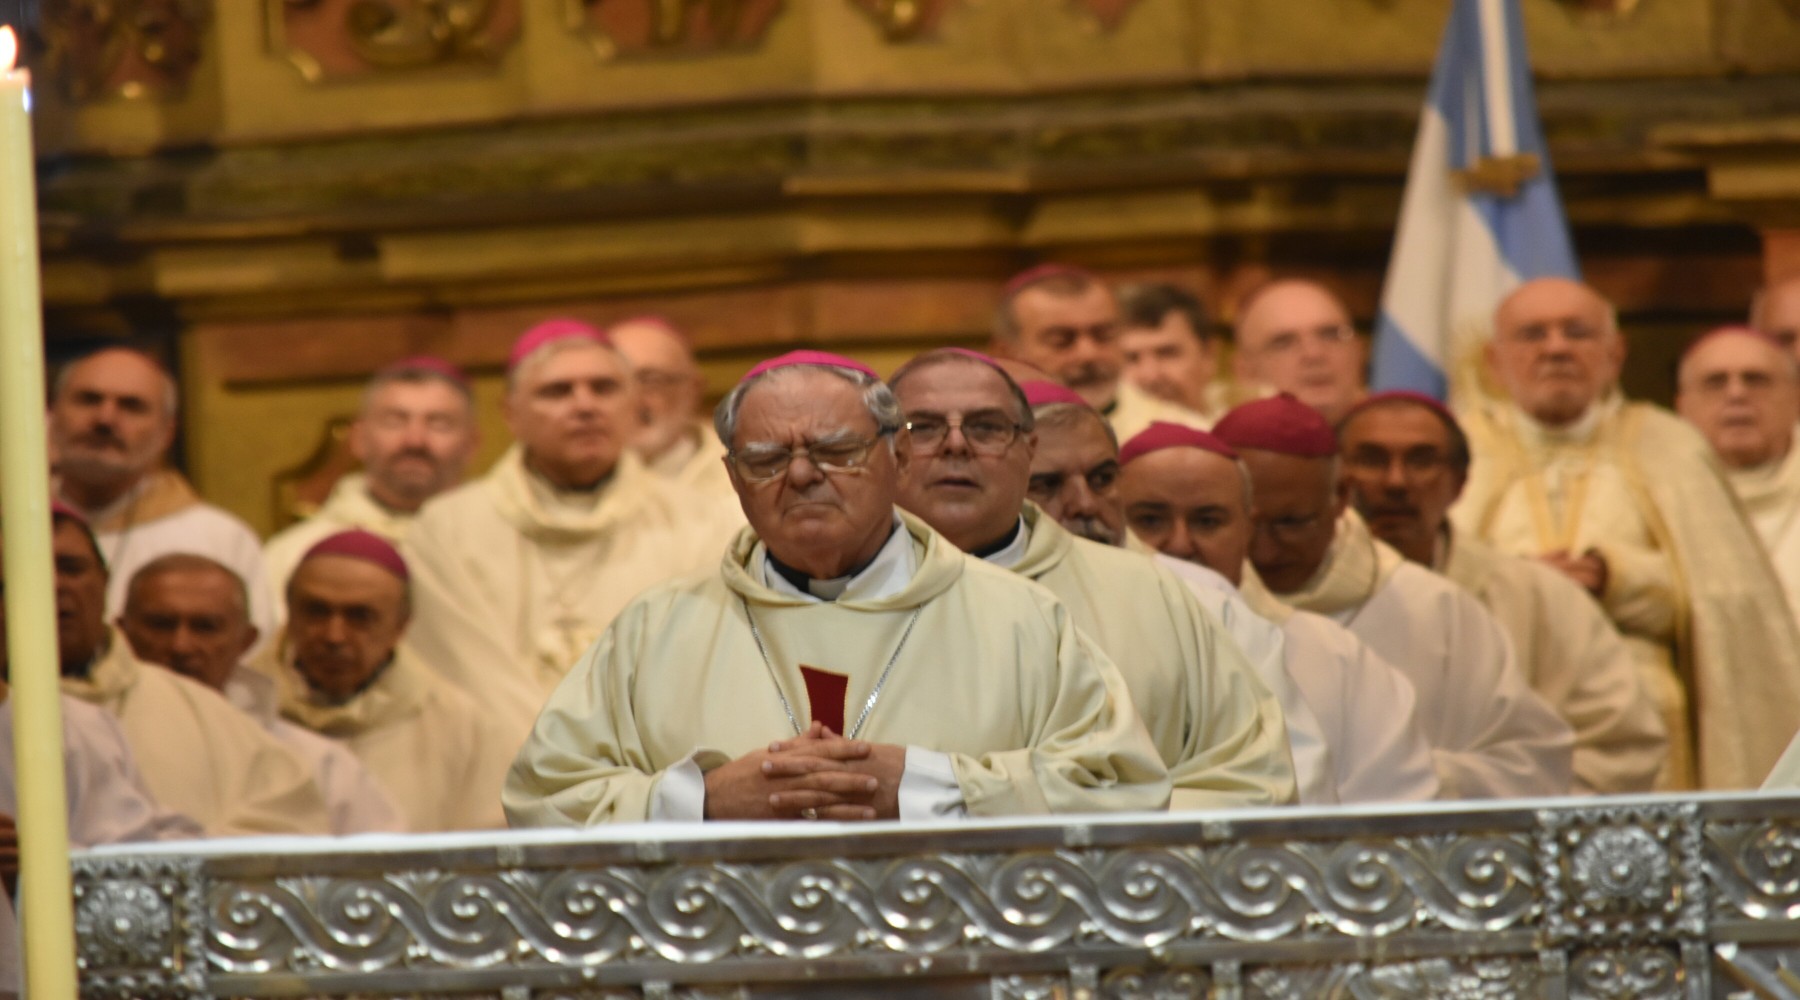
9,49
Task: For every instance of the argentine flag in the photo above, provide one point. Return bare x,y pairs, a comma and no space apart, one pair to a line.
1480,214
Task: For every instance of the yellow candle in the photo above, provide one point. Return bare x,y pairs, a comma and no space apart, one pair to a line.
47,915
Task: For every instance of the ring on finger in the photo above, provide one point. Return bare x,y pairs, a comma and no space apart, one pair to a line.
809,813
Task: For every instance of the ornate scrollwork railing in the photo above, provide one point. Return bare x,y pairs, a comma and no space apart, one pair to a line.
1586,900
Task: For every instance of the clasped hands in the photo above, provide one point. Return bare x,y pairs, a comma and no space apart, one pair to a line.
1587,569
816,775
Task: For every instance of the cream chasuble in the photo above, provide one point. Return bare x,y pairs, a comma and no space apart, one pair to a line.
199,755
163,514
349,506
1688,583
1771,497
1134,409
513,580
1574,658
1034,717
431,746
1495,738
1217,726
355,800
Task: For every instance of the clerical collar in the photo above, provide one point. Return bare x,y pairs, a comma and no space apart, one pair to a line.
882,576
1007,550
556,497
1581,430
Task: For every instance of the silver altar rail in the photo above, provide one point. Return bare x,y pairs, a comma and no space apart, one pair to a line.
1601,899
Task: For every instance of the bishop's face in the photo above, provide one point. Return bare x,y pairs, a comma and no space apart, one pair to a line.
1170,361
1778,314
1075,476
814,473
1189,504
1556,350
1298,503
1074,337
572,408
415,439
345,617
1398,464
971,462
110,421
1741,392
1295,337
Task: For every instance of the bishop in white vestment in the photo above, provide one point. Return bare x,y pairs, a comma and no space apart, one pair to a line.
896,677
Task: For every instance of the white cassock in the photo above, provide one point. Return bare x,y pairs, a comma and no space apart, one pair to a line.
107,801
350,506
199,755
1003,706
1494,737
355,800
1134,409
1218,727
1771,497
512,579
1315,779
431,746
163,514
1373,746
1573,657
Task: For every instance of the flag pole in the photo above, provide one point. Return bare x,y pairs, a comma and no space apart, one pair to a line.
47,917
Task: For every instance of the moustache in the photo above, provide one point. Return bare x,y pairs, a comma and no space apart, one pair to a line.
1093,529
1087,374
100,437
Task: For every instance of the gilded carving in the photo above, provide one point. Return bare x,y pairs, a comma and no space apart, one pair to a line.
634,28
344,39
1610,8
1109,14
95,49
904,20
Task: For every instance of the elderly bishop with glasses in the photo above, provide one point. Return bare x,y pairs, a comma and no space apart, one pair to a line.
843,662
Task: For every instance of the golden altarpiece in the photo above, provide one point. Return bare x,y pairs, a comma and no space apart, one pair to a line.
282,195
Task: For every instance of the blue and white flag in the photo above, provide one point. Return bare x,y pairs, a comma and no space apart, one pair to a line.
1480,214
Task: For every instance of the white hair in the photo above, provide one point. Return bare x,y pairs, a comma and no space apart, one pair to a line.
876,396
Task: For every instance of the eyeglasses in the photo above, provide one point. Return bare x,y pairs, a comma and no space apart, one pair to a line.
763,463
986,434
1290,530
1290,340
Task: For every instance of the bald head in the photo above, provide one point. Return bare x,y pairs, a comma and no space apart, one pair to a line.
1777,313
1296,336
1740,390
190,614
669,384
112,416
1556,349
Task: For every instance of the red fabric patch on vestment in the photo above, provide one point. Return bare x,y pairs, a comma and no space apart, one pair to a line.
825,692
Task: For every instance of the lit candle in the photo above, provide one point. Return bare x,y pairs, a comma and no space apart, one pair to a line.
35,672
